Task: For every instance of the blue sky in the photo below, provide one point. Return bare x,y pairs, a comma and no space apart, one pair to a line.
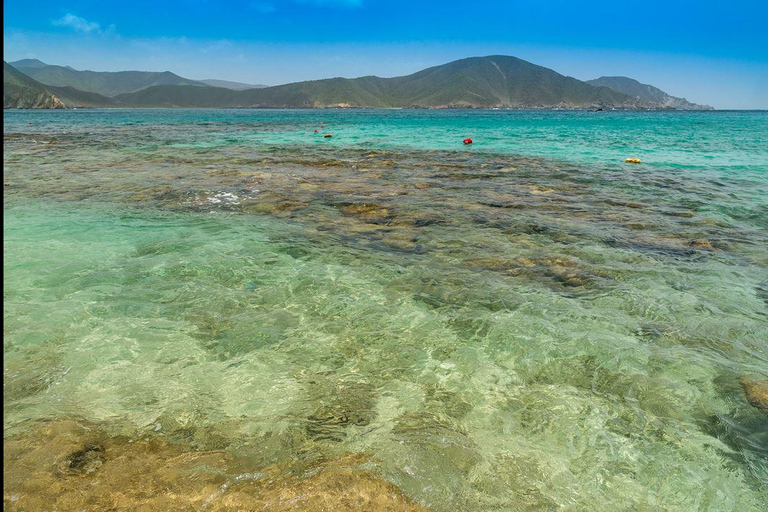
709,52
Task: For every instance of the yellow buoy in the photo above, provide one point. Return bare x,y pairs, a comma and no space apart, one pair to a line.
632,160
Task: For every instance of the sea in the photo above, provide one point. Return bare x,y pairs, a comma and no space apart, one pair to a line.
214,306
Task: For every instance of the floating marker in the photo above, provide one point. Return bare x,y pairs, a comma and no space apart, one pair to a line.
467,141
632,160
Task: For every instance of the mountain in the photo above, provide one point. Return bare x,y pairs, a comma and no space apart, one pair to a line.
477,82
101,82
226,84
80,99
646,92
20,91
29,63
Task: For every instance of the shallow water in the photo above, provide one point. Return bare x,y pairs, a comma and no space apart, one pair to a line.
526,323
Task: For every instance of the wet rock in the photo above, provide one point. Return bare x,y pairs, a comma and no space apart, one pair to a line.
701,243
562,272
86,460
156,193
624,204
153,474
539,190
360,208
756,392
502,204
405,242
685,214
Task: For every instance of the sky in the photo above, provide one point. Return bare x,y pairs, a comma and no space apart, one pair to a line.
710,52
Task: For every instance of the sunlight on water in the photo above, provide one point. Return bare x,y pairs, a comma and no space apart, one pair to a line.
485,329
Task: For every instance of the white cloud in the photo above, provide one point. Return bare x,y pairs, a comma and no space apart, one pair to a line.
79,24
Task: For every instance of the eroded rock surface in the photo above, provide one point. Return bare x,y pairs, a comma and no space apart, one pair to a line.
67,466
757,393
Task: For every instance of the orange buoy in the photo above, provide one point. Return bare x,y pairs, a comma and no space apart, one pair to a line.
467,141
328,135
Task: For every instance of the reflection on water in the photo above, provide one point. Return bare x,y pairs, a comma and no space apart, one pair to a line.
320,327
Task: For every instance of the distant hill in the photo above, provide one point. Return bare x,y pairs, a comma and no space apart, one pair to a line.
237,86
101,82
477,82
76,98
29,63
496,81
20,91
646,92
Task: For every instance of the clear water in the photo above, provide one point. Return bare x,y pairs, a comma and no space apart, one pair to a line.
526,323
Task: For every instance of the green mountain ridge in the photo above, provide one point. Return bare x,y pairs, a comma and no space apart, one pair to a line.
21,91
106,83
476,82
495,81
635,89
227,84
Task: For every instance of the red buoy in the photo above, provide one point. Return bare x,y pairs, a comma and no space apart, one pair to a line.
328,135
321,126
315,131
467,141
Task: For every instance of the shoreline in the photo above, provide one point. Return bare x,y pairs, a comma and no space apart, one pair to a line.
539,109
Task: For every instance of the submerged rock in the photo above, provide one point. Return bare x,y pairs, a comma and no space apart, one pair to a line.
86,460
761,290
701,243
154,474
757,393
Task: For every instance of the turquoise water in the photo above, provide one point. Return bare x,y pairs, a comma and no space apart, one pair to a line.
526,323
